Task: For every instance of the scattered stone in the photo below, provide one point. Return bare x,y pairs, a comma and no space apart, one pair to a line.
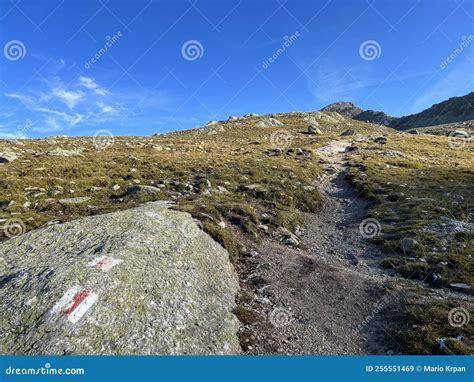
408,244
414,132
70,201
381,140
395,196
9,156
450,227
459,286
221,190
269,122
136,189
115,187
314,130
287,237
348,132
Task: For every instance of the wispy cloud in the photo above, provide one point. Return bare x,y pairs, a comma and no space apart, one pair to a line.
57,106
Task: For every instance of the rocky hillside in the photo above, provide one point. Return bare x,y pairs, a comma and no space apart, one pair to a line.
455,109
349,110
285,198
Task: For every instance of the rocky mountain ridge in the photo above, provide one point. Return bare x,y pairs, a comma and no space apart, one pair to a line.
455,109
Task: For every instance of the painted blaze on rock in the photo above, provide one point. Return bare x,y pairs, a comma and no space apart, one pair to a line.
130,282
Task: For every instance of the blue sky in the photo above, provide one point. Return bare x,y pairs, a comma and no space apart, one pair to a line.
144,66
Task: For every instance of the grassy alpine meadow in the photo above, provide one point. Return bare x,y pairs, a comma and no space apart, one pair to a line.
421,189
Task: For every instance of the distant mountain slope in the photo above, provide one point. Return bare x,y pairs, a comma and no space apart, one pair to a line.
349,110
455,109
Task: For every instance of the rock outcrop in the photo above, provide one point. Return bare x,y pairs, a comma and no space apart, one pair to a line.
140,281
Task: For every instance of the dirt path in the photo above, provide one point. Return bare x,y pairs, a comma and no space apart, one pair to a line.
328,296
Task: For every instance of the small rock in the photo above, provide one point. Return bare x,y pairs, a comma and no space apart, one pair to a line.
79,200
348,132
408,244
268,122
142,189
459,286
314,130
381,140
9,156
395,196
287,237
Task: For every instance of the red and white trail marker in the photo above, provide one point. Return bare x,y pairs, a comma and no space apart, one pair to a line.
75,303
104,263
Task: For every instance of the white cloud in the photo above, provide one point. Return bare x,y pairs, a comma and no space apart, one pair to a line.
106,108
89,83
57,106
70,98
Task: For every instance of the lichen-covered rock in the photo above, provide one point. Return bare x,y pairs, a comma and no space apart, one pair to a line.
141,281
9,156
268,122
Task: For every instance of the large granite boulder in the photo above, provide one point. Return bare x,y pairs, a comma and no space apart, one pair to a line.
141,281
